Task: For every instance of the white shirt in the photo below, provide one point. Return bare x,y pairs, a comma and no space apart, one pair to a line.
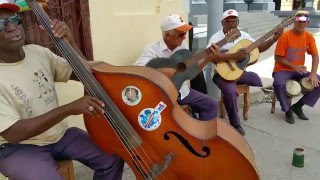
159,49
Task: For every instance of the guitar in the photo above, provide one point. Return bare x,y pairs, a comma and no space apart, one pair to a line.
232,70
186,64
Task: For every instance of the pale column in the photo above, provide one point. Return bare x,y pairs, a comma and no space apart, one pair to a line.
309,5
263,5
238,5
215,11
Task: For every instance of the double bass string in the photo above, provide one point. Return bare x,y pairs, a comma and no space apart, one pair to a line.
88,88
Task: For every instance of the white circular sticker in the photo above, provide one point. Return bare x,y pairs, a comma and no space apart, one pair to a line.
131,95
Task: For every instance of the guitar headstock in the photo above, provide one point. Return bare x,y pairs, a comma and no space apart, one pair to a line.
287,21
232,35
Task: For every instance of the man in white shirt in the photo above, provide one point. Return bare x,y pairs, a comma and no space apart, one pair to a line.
229,88
174,31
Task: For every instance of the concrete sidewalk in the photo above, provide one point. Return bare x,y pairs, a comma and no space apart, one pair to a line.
271,138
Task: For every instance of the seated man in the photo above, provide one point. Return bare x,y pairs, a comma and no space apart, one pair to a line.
289,64
174,31
229,22
32,132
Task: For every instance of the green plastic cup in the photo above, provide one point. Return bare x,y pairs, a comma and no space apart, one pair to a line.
298,157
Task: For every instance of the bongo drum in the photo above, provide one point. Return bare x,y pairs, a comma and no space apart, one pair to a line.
293,88
306,85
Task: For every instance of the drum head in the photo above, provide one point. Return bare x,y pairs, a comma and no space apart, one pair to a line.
293,88
306,85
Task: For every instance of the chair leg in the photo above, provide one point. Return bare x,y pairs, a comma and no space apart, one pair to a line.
290,100
245,105
222,109
273,103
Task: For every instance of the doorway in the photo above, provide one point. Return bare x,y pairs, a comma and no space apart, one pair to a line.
76,15
277,4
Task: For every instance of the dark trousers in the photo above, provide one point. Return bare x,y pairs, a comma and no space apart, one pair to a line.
204,105
279,85
31,162
229,89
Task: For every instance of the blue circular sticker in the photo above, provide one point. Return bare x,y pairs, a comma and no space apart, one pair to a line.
149,119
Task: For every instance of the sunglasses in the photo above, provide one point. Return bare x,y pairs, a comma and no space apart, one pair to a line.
302,18
180,35
230,20
15,20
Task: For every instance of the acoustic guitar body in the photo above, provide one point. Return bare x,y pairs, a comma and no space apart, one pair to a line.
237,67
179,146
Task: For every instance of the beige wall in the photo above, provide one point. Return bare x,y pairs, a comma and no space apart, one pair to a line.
120,30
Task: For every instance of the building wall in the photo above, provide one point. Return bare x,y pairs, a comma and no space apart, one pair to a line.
120,31
286,5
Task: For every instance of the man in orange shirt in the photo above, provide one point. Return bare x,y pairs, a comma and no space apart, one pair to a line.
289,64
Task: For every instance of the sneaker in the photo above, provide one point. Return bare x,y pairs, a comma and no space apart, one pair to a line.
299,112
240,130
289,117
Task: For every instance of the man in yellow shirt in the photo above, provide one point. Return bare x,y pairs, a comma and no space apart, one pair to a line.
32,132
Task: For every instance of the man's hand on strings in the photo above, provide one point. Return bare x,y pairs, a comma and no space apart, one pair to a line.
60,29
214,53
86,105
240,54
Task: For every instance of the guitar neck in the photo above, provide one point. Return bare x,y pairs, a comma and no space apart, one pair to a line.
203,54
261,39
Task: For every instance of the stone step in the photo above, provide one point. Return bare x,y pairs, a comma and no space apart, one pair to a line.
244,17
256,24
259,22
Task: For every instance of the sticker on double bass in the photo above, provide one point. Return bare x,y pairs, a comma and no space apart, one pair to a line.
150,118
131,95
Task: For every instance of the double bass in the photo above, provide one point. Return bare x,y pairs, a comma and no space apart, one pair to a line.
144,125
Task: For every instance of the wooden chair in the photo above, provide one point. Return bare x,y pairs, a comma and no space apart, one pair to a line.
241,89
65,169
274,99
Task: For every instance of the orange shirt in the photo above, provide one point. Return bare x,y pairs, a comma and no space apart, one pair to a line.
293,48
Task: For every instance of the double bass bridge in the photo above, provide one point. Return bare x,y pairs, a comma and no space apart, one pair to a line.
156,169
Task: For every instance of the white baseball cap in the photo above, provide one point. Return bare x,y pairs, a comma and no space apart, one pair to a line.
228,13
174,21
5,4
